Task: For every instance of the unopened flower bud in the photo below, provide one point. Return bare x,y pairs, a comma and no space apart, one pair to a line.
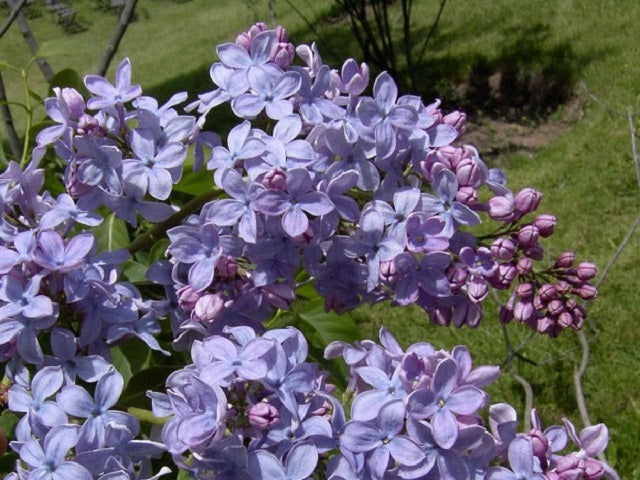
524,266
565,320
468,173
536,252
275,179
539,445
547,292
208,307
74,101
263,415
555,307
586,271
526,201
282,55
528,236
523,311
227,267
456,119
504,275
501,208
87,125
505,314
544,324
388,271
525,290
546,224
458,276
562,287
281,34
279,295
565,260
503,248
467,195
477,289
593,469
187,298
354,77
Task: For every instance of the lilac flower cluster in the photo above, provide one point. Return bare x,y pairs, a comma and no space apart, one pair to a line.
366,194
251,407
364,197
76,435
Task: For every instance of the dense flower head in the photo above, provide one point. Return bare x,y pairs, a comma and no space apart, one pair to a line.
365,198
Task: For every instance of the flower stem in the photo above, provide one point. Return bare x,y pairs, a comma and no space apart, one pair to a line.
149,238
147,416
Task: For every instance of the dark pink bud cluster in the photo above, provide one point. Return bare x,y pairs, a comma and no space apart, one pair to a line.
551,307
572,467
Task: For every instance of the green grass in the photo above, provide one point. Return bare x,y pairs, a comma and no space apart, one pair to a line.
585,171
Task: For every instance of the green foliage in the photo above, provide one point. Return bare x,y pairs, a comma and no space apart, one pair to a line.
112,233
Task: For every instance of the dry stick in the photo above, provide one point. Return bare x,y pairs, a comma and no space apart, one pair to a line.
432,30
584,360
5,113
116,37
12,16
28,36
325,45
634,146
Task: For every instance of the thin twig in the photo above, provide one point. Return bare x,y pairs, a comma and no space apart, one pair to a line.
325,44
157,232
432,31
13,14
618,251
634,146
27,34
112,46
7,118
528,399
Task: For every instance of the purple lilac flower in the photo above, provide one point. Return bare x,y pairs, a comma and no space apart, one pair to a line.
108,95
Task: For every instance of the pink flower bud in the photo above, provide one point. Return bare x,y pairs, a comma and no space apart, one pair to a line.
227,267
501,208
547,292
88,125
281,34
523,311
244,40
458,276
467,196
355,78
555,307
275,179
504,275
279,295
187,298
593,469
546,224
526,201
469,173
208,307
528,236
539,444
74,102
536,252
456,119
505,314
586,271
565,320
263,415
524,266
565,260
503,248
562,287
388,271
544,324
525,290
282,55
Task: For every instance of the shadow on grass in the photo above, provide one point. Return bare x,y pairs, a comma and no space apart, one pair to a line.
528,77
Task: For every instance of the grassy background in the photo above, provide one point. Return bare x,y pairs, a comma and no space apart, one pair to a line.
583,162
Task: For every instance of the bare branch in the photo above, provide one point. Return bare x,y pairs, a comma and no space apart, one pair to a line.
634,146
432,31
13,14
5,113
44,66
112,46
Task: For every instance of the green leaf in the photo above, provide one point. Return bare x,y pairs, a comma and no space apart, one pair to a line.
135,271
121,362
158,250
112,234
152,378
68,77
195,183
35,96
327,326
